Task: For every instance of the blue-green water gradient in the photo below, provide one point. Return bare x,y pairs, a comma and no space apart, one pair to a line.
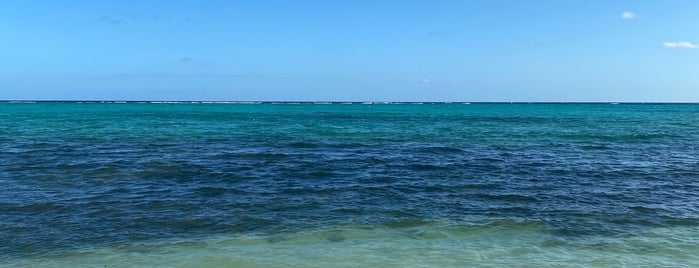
318,185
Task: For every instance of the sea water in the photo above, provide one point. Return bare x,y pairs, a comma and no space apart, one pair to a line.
348,185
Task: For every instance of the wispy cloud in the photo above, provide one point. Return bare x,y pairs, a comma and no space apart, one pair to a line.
681,44
532,43
627,15
111,20
206,75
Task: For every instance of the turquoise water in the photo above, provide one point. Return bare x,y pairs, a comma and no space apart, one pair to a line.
349,185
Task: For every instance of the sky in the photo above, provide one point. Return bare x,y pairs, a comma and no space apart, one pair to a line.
373,50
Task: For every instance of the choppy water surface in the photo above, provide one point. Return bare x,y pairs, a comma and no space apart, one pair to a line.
311,185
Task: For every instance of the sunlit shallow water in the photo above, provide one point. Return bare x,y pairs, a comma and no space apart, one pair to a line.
438,244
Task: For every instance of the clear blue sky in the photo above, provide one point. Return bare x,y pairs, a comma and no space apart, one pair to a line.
489,50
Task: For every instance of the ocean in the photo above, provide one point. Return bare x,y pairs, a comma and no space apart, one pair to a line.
181,184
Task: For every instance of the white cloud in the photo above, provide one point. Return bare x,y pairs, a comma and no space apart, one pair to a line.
681,44
627,15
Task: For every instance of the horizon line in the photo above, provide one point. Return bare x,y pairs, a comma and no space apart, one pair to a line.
117,101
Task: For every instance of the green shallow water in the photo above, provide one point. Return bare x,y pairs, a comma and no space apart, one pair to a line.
497,243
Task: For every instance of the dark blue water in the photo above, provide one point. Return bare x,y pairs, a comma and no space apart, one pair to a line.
76,177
